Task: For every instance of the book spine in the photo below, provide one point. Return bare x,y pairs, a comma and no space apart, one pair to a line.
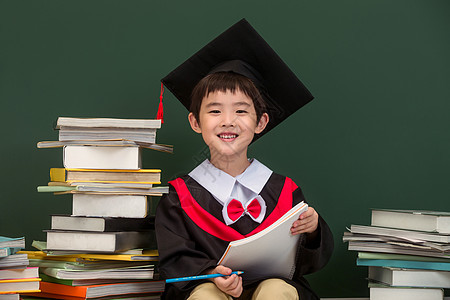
404,264
58,174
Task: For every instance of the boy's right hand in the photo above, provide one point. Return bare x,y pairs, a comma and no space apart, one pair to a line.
231,285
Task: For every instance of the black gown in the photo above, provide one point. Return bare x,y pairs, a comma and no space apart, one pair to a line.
186,249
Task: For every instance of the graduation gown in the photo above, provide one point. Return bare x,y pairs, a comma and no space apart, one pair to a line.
189,244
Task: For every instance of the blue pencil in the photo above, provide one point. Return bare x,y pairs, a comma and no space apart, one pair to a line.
189,278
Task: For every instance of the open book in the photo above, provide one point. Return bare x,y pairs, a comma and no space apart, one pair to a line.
270,252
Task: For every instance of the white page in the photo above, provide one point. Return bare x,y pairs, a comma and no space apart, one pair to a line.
270,252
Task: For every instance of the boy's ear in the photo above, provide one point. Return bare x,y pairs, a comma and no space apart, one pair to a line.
194,123
262,123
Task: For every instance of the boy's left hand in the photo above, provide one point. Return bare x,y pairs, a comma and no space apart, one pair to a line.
307,222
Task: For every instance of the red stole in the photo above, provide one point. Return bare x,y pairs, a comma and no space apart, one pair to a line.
213,226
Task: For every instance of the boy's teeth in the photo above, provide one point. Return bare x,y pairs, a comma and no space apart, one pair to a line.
227,136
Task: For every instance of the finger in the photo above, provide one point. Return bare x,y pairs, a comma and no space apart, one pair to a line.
305,225
234,282
303,222
306,214
237,290
310,228
222,270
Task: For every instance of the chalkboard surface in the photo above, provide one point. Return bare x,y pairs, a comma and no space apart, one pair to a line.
376,135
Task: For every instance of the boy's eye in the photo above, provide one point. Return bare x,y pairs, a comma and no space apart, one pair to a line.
241,111
214,111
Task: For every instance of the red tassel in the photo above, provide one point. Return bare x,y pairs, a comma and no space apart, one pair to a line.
160,113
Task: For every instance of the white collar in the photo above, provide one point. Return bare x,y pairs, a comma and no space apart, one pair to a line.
220,184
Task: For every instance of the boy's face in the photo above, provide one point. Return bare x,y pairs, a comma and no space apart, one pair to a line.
227,122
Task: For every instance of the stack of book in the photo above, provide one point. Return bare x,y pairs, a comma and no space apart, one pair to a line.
16,276
99,276
110,208
407,253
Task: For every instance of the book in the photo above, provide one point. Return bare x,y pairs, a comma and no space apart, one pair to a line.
395,249
421,220
101,224
12,242
98,133
405,264
118,206
19,285
370,255
73,256
85,282
88,264
407,242
9,297
144,296
146,255
410,277
149,176
256,255
400,233
108,122
138,272
97,242
29,272
105,143
104,290
98,157
405,293
110,185
6,251
102,190
14,261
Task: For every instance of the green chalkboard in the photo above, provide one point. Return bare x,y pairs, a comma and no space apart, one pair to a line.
376,134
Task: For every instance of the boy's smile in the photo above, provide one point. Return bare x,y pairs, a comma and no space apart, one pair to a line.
228,123
227,137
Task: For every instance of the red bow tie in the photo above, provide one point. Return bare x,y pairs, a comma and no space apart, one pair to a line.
235,210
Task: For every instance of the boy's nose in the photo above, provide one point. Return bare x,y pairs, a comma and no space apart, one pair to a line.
228,120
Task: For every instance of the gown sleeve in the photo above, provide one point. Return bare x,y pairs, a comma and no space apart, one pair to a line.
177,249
313,254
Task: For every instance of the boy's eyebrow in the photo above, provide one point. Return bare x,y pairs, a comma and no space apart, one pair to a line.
241,103
213,104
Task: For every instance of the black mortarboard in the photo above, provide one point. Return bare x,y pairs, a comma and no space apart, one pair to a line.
242,50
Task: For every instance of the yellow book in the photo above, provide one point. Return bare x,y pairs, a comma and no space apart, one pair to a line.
143,176
147,255
26,285
20,280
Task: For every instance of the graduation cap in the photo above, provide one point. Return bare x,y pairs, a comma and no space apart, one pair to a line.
240,49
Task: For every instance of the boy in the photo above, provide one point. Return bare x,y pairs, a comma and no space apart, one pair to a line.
229,197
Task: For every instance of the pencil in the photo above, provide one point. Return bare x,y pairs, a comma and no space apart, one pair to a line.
189,278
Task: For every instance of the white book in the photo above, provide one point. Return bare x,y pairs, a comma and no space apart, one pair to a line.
12,242
421,220
97,241
108,122
382,247
401,233
108,143
19,285
103,224
120,206
29,272
17,260
139,272
259,254
410,277
405,293
93,157
80,133
10,297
